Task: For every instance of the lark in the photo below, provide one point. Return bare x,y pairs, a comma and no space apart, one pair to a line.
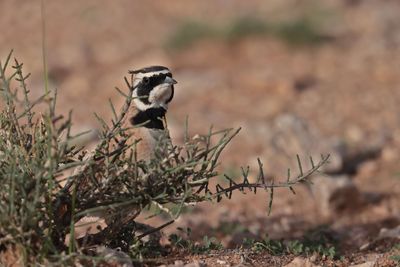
145,124
153,90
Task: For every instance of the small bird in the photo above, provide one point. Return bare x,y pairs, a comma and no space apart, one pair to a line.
145,121
153,90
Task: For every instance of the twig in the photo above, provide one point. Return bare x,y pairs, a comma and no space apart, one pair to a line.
155,229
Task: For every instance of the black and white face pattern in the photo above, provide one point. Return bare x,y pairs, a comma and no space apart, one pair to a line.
154,87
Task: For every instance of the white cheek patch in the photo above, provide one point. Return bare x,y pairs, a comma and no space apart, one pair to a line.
160,94
157,98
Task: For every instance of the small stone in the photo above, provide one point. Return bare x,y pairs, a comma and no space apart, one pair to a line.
390,154
88,225
365,246
354,134
314,257
301,262
390,233
114,256
289,136
178,263
221,262
368,167
365,264
194,264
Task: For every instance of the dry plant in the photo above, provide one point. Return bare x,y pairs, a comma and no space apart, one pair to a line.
36,153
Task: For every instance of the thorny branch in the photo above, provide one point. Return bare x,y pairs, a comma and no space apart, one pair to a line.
110,134
34,155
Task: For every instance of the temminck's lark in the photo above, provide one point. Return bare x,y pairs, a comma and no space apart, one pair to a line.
153,90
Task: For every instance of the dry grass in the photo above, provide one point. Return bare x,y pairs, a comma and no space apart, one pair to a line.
38,211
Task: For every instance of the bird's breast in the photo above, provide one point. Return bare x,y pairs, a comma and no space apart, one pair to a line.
149,139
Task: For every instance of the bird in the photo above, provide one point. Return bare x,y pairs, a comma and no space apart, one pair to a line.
152,90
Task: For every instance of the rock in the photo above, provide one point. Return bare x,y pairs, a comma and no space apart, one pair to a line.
365,246
195,264
221,262
365,154
301,262
334,190
390,154
314,257
88,225
389,233
367,168
114,256
180,263
177,263
365,264
354,134
383,233
335,194
290,136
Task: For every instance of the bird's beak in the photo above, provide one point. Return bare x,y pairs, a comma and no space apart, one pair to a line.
169,80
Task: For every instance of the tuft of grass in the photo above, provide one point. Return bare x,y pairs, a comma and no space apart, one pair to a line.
208,244
302,31
396,257
312,243
246,26
296,32
189,33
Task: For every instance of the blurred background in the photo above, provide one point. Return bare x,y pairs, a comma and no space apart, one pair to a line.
299,76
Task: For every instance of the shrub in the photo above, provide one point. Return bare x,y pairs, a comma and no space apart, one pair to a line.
48,184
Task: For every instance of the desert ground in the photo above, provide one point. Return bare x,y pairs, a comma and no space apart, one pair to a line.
300,77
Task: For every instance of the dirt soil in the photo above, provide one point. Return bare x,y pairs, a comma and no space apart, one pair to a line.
347,88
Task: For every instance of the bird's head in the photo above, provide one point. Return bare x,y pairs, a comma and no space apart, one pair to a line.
153,87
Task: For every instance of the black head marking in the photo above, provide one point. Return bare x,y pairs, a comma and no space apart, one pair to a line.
150,118
147,84
148,69
145,80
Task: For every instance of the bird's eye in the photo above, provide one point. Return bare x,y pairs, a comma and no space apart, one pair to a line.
146,80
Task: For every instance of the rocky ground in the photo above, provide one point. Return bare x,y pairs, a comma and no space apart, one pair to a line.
335,91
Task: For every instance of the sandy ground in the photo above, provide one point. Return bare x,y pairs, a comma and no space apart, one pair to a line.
347,88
